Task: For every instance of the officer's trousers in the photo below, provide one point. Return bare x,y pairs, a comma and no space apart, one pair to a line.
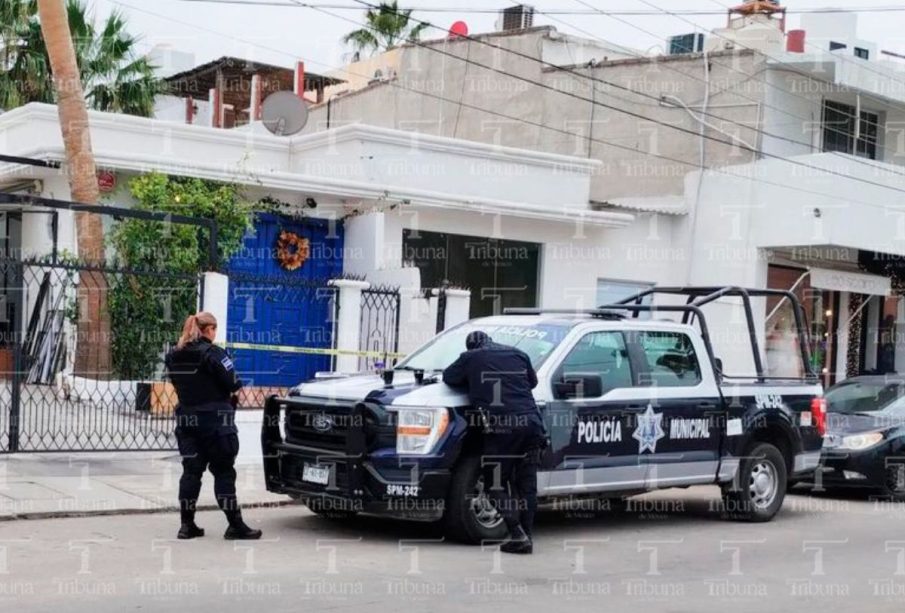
511,459
208,440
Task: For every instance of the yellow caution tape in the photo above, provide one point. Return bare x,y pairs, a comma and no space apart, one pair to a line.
315,350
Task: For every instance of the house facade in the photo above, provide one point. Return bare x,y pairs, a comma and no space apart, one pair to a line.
537,169
769,159
347,191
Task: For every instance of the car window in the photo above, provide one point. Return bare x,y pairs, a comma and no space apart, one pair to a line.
600,353
671,359
862,396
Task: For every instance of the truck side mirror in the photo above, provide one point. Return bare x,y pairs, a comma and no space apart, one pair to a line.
578,385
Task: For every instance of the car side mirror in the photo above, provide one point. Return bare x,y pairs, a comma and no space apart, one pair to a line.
578,385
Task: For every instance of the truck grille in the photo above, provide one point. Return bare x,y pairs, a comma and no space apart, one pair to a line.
322,426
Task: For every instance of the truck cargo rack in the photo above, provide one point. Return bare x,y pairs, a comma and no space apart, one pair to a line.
697,297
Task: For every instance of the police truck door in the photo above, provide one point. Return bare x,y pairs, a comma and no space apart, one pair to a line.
591,447
679,433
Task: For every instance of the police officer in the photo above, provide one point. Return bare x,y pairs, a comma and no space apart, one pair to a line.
499,380
205,381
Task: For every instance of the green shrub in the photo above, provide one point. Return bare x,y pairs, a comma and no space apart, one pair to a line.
147,311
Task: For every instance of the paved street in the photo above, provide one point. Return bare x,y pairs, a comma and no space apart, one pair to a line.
672,553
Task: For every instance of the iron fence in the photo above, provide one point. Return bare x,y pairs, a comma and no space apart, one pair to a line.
81,356
379,326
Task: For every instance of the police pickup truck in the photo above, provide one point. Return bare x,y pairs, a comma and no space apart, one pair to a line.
631,404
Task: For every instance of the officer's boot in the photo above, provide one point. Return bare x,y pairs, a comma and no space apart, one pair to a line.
518,542
238,530
189,528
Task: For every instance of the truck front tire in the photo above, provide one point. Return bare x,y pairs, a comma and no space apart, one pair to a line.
758,491
469,517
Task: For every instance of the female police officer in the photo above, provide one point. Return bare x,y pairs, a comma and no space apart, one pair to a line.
205,381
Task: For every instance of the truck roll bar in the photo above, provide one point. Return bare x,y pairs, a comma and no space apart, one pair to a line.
698,297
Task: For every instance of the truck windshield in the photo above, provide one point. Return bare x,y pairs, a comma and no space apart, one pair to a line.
536,341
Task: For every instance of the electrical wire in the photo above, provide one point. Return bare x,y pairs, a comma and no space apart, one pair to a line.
786,65
539,125
496,11
651,154
845,59
752,76
548,12
626,112
590,11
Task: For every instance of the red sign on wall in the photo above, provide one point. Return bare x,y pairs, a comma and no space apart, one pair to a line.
106,181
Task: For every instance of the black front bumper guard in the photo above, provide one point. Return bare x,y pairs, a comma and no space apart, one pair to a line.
362,487
274,447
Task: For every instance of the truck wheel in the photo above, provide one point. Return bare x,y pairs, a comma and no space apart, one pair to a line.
469,516
758,491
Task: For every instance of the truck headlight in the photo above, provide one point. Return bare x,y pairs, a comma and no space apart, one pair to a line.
419,429
859,442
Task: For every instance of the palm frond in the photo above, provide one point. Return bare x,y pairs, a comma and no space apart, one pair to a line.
362,40
115,77
386,26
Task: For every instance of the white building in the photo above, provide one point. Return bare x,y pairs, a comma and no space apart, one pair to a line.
533,179
369,181
798,195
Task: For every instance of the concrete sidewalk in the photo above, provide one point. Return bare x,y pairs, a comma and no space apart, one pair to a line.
35,485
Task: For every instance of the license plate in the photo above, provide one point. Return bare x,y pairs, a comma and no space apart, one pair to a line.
316,474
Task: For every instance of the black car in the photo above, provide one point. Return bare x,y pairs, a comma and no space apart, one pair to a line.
865,442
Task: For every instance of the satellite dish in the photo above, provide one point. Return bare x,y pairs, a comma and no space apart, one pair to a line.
284,113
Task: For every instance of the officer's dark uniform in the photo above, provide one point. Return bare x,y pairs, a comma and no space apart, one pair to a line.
499,379
205,379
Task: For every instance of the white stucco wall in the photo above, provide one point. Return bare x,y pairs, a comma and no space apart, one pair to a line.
573,257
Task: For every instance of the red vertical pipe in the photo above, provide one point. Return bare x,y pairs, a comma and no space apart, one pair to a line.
257,96
299,87
215,108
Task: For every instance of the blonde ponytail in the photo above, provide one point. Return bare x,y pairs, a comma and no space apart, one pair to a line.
193,327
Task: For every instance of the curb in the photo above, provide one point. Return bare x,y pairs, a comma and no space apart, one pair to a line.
114,512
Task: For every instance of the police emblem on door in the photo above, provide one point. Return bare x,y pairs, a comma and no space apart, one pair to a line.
649,430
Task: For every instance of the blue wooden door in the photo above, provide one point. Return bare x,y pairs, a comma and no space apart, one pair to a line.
269,306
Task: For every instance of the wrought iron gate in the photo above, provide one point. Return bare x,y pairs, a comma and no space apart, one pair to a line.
379,327
62,318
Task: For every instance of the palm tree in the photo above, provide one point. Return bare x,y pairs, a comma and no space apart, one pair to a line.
388,26
92,354
114,76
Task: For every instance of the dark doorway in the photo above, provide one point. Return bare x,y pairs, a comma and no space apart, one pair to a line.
499,273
